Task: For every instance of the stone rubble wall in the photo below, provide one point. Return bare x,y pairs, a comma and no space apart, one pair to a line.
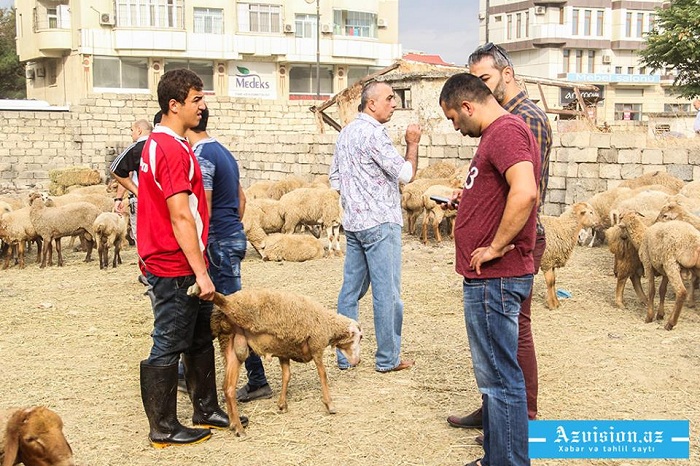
273,139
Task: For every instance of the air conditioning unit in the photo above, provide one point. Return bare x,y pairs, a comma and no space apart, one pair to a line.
288,27
482,15
382,23
29,73
326,28
106,19
607,59
540,10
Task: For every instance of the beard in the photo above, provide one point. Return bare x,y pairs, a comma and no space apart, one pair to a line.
500,91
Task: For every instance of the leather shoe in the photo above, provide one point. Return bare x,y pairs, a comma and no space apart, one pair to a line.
473,420
247,393
404,364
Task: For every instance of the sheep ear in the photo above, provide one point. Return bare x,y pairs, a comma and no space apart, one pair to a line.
12,433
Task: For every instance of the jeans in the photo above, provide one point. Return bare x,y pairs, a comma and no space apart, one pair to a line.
491,309
180,322
225,256
373,256
527,359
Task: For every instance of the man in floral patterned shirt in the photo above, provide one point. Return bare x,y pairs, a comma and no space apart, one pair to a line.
367,169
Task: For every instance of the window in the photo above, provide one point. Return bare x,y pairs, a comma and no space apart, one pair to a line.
591,61
518,25
640,24
527,24
354,23
628,25
587,22
52,17
302,79
403,98
579,61
51,72
510,27
565,58
305,26
150,13
677,108
652,22
253,17
204,69
120,73
355,73
642,70
561,15
574,22
630,70
599,22
209,20
631,112
618,70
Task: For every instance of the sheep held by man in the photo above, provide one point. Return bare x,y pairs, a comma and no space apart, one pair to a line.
281,324
33,437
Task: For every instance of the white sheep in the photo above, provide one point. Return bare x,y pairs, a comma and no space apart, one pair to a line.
412,197
666,249
258,190
261,216
33,437
654,178
561,233
314,206
291,248
433,213
53,223
281,324
16,229
647,202
440,169
110,230
281,187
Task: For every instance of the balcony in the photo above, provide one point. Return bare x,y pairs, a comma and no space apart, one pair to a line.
53,41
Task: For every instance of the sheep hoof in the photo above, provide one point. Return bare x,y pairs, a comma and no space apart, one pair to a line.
282,408
331,408
668,326
648,320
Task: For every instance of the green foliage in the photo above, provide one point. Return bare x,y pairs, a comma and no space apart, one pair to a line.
675,43
12,82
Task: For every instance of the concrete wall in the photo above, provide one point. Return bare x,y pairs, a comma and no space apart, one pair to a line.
272,139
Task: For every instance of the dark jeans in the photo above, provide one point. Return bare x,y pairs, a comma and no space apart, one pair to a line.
527,359
181,323
225,256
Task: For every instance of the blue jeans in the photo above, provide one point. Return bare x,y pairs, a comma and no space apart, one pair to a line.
373,256
491,309
181,323
225,256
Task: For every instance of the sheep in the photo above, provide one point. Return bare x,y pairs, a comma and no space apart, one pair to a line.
281,324
676,211
321,181
412,197
654,178
258,190
261,216
282,187
442,169
648,202
433,213
292,248
16,229
627,264
667,248
562,233
33,437
53,223
110,229
691,189
314,206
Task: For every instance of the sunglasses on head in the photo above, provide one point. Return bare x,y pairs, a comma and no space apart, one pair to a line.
491,49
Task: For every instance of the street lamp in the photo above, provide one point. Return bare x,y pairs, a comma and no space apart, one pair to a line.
318,48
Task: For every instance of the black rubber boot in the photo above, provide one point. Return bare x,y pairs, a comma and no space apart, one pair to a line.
200,375
159,395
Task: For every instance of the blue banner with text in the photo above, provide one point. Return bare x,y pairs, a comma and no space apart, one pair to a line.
609,439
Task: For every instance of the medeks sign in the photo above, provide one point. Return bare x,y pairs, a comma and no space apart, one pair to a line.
251,79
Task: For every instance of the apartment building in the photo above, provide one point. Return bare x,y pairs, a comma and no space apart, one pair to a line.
268,49
585,41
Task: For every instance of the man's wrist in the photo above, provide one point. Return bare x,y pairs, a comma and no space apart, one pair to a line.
117,199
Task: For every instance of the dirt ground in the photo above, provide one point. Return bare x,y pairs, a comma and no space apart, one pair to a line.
72,339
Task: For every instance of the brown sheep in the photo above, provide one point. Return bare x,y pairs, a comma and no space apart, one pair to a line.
33,437
281,324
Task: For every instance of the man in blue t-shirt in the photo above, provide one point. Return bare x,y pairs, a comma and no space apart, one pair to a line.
226,246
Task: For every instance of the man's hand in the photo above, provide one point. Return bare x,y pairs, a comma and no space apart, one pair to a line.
413,133
206,288
118,206
485,254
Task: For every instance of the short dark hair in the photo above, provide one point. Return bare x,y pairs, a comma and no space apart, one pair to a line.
461,87
176,84
202,126
500,57
157,118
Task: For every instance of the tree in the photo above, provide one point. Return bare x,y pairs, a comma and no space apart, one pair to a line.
12,81
675,43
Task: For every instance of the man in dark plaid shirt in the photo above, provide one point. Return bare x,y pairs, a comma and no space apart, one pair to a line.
493,66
